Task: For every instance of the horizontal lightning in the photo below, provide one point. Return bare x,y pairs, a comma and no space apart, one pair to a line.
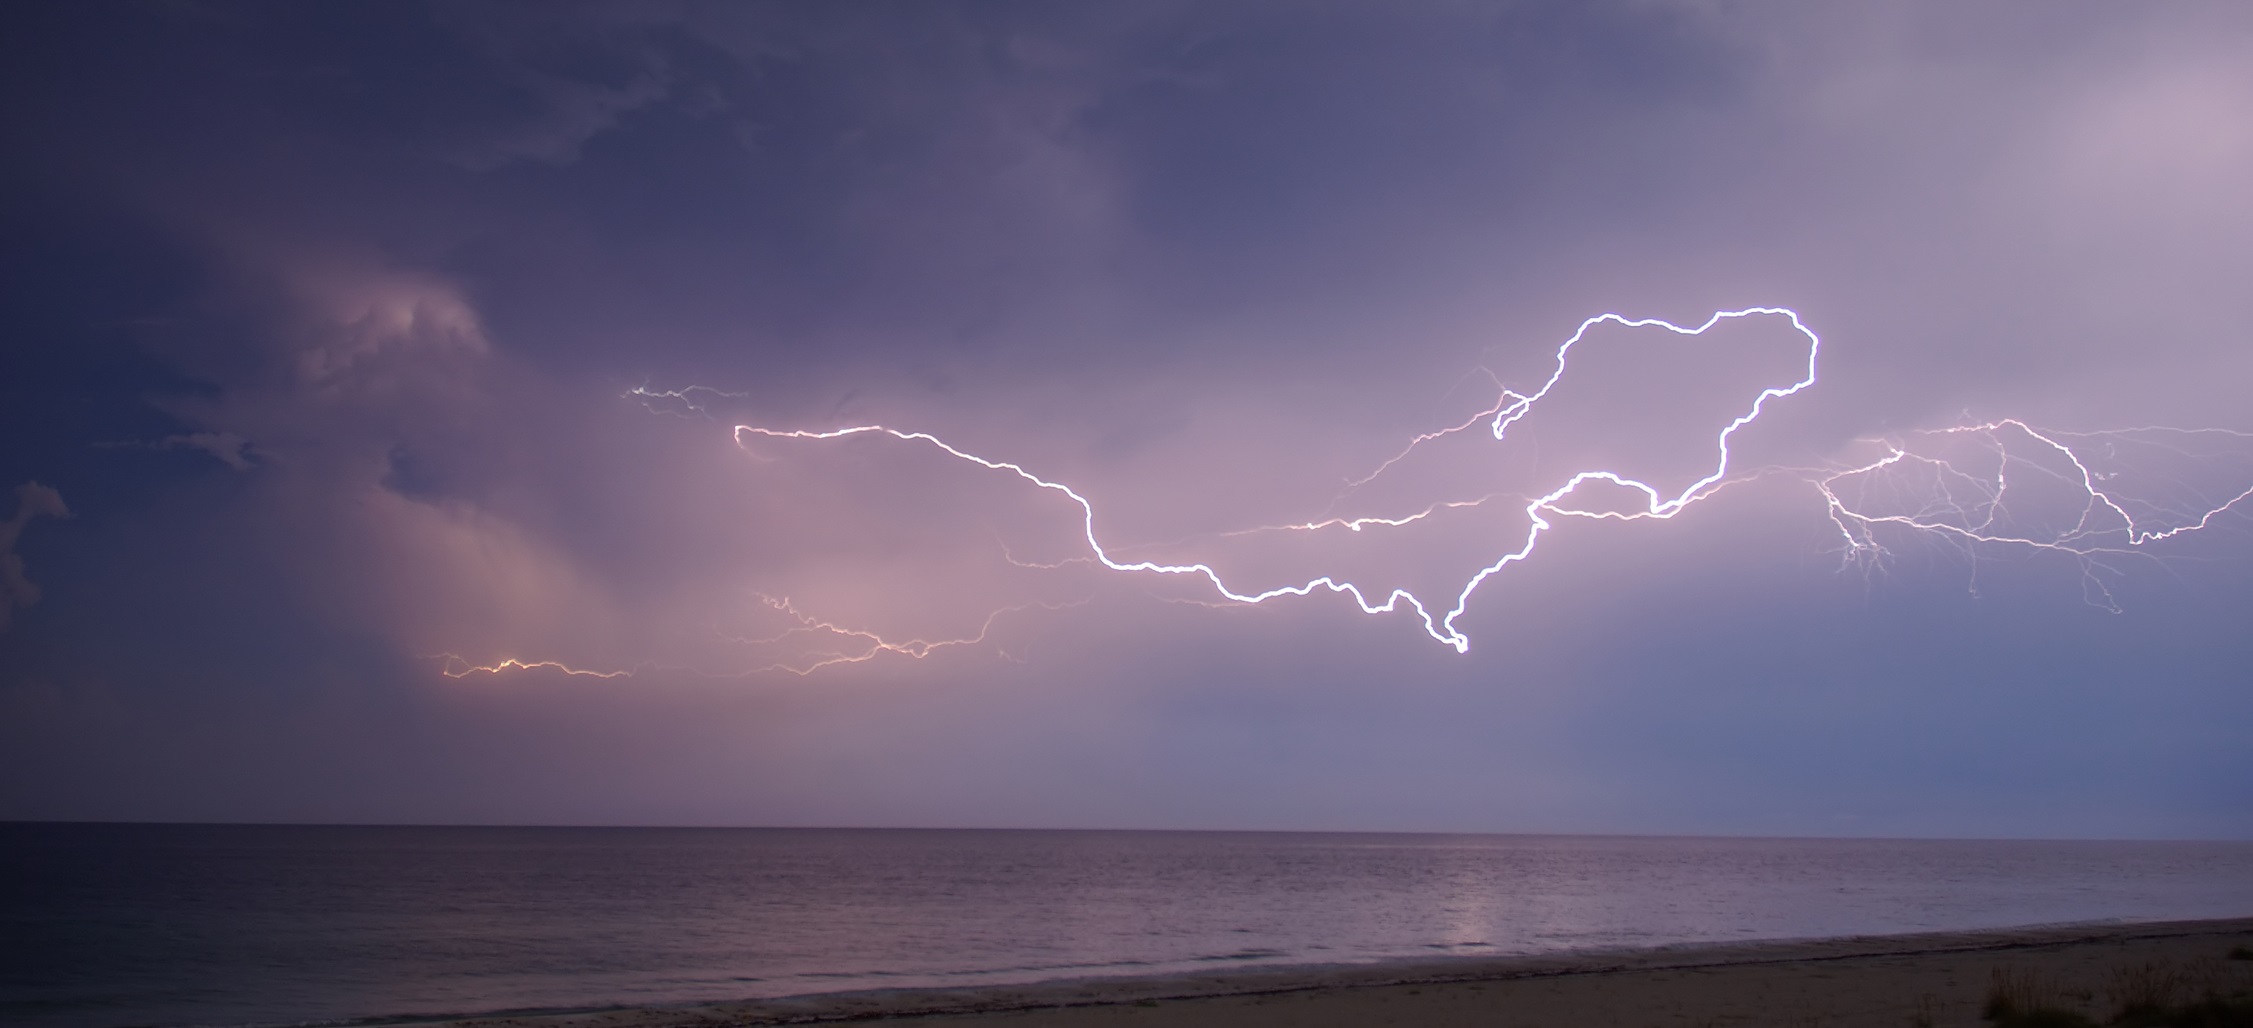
456,666
1965,503
865,646
683,403
1513,407
871,645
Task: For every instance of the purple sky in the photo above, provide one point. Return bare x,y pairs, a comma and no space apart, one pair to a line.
352,348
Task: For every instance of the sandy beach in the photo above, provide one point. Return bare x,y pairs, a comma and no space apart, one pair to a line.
1895,981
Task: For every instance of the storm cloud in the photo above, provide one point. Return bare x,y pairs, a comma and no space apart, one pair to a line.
468,301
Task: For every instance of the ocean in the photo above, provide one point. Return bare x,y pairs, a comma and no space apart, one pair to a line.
106,925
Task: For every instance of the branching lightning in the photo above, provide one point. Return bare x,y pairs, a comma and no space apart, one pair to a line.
867,645
1969,506
681,403
830,644
1960,485
1513,407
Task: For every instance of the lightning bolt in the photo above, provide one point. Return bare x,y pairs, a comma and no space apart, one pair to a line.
1966,502
864,646
869,644
1513,407
454,665
689,402
1504,402
1969,506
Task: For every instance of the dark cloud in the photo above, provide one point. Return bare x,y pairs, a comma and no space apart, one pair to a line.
400,269
32,501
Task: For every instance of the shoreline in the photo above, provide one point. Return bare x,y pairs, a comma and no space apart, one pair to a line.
1935,977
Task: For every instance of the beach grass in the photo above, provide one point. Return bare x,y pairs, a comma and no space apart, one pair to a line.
2144,994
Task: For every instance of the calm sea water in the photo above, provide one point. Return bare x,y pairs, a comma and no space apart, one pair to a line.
181,924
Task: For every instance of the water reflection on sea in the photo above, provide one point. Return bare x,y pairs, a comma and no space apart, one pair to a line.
156,924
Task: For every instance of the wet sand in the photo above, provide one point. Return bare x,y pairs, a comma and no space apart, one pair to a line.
1900,981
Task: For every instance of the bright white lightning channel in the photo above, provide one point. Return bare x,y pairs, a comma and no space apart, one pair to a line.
1513,408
